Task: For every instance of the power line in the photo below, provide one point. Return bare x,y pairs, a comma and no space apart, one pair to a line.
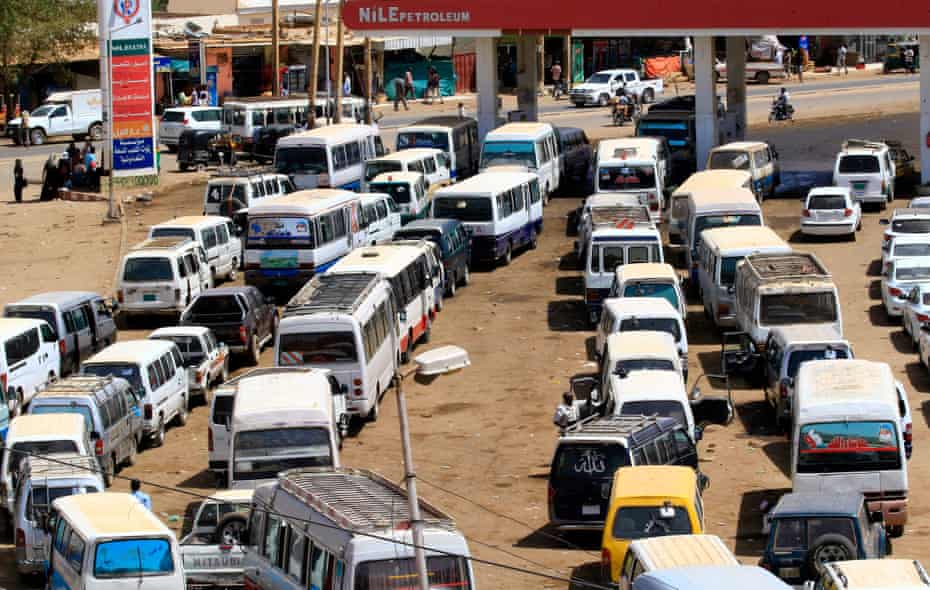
571,581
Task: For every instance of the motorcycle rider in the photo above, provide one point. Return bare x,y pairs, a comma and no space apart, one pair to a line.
624,103
782,104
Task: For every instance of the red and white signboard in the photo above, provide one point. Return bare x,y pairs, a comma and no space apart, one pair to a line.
638,18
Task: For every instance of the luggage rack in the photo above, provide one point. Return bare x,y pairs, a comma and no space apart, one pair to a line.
62,465
797,266
616,216
358,499
242,172
167,242
79,385
867,144
332,292
262,372
629,426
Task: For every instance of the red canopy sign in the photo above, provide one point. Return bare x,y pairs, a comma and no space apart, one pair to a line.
646,18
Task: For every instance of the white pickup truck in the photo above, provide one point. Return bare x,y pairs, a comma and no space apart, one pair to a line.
212,553
603,85
76,113
758,71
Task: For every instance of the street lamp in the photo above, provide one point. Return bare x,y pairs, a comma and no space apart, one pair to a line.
112,212
439,361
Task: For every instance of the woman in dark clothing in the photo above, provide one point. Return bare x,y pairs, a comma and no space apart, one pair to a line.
51,180
19,181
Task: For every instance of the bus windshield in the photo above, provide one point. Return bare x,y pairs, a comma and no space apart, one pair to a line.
625,178
728,220
726,160
127,371
502,153
279,232
474,209
398,574
399,191
310,348
781,309
133,558
262,454
423,139
375,167
835,447
676,132
301,160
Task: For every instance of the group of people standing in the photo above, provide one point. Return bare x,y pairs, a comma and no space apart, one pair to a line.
197,96
76,168
403,87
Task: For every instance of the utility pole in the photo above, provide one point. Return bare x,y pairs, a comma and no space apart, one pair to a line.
340,51
410,478
276,47
314,64
369,105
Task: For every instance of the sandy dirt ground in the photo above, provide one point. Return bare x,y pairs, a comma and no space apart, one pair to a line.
483,438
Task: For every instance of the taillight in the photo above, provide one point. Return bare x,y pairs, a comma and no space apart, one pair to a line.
61,347
98,447
199,375
177,295
723,309
806,213
3,382
243,335
119,296
847,213
357,382
908,433
783,390
210,439
886,237
186,121
653,206
895,292
592,295
605,557
884,187
20,538
922,317
147,411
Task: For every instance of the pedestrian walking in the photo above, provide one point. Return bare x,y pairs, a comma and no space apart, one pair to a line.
909,60
789,61
139,495
204,96
19,180
51,180
408,85
24,138
433,82
556,73
347,85
400,93
799,64
841,60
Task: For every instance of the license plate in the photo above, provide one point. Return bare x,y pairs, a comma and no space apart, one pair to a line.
148,297
859,186
789,572
590,510
280,282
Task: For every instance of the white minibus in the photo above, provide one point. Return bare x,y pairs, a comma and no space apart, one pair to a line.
495,208
532,145
408,190
110,540
280,421
699,181
365,541
429,162
407,269
30,359
847,435
243,117
345,323
720,251
332,156
293,238
631,166
716,208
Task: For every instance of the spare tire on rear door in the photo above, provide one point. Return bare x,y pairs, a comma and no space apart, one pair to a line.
231,529
828,549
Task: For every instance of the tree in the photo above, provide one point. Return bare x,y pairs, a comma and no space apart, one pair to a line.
35,33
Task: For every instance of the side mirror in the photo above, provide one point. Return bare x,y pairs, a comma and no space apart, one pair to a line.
703,481
695,394
94,435
51,521
402,315
698,433
883,221
877,516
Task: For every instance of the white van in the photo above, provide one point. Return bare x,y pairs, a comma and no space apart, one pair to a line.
430,162
706,180
216,235
456,136
155,370
29,357
631,167
41,482
619,236
371,546
756,157
293,238
282,420
345,323
847,435
650,279
585,222
648,393
710,577
162,276
231,191
379,218
636,314
110,540
495,208
328,157
867,169
720,251
532,145
408,190
642,351
899,277
717,208
407,269
781,289
43,435
671,552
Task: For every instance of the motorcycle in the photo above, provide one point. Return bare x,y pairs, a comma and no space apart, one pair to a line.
619,115
781,112
558,90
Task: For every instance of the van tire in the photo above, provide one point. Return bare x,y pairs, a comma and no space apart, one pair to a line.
133,453
405,355
37,136
534,239
466,276
183,413
649,95
507,258
452,287
233,271
375,410
108,471
829,548
231,529
255,351
158,439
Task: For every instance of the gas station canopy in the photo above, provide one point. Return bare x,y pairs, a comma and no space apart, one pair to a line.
481,18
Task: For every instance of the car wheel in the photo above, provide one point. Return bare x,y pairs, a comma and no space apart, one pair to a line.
895,530
183,413
133,453
648,96
182,166
440,304
425,336
231,529
507,258
108,470
95,132
452,287
602,100
466,276
828,549
405,354
533,241
158,439
37,136
233,273
762,77
255,350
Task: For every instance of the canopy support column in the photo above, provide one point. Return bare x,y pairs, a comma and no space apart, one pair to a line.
486,78
736,88
527,77
924,109
705,112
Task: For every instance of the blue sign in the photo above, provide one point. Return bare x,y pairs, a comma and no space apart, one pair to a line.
211,85
131,154
161,64
802,42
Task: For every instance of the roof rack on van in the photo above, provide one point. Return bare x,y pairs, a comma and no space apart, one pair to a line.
332,292
866,144
241,172
166,242
357,498
60,466
78,385
781,267
621,217
636,428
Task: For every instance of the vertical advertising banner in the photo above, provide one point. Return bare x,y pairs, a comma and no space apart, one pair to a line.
126,38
